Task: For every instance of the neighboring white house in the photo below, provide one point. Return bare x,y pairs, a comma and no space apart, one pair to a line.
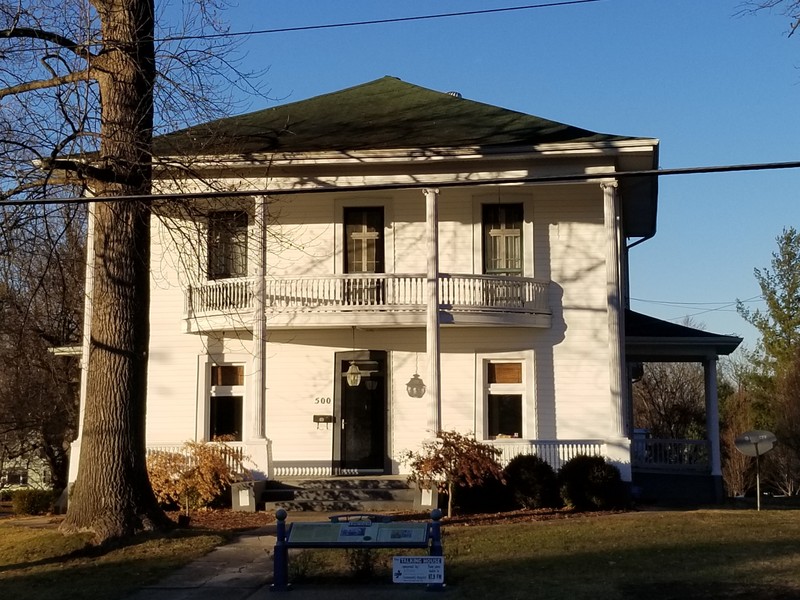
407,261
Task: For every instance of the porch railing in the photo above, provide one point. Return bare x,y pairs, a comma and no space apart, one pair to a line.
222,296
372,292
555,452
671,455
234,455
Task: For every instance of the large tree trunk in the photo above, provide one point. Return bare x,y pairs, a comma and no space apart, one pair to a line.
112,496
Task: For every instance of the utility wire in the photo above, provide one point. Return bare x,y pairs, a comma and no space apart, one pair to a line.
376,21
575,177
677,304
387,21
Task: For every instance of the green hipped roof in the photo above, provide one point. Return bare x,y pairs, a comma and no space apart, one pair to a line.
383,114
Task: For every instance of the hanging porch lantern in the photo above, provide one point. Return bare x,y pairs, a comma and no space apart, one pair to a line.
353,374
416,387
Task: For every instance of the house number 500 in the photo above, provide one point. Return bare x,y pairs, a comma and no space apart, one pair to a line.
322,400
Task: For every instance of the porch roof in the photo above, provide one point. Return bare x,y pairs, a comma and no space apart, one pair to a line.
648,339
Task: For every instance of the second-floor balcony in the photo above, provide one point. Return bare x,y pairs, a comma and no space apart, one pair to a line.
374,300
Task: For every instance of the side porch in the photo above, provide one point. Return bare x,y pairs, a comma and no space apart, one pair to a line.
677,470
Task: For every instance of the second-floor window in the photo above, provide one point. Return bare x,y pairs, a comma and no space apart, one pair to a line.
502,239
363,232
227,244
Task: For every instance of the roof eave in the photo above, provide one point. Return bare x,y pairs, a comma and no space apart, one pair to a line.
573,149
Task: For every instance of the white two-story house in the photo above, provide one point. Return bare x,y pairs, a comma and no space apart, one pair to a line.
386,261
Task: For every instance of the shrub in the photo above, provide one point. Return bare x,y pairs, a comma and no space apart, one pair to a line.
489,496
453,460
532,482
33,502
590,483
195,477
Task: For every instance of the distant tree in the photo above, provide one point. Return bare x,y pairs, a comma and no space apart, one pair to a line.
736,417
773,381
42,263
669,400
779,322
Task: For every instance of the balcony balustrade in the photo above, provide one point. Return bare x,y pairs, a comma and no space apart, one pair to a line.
373,293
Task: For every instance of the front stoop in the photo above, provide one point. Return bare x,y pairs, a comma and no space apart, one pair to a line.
341,494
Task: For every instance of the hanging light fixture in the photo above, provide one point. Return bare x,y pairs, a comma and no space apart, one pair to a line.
353,374
372,384
415,386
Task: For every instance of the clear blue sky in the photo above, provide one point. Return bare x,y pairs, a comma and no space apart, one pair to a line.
713,87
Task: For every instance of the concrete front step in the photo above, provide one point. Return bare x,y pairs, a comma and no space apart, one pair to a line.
340,495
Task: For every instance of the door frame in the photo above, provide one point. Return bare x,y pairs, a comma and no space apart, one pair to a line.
373,356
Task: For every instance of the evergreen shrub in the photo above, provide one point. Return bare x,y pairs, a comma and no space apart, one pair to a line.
590,483
532,482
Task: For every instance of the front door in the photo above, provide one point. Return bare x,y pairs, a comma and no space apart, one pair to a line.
360,412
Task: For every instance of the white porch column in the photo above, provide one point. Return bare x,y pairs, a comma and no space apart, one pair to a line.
616,313
432,310
712,415
256,429
75,446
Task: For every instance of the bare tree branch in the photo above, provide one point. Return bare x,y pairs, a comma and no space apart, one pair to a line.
79,50
41,84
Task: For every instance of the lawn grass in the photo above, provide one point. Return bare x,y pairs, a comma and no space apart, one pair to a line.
39,562
671,555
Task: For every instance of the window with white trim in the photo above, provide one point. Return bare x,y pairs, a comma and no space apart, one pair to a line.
363,242
226,403
17,476
227,244
505,394
502,239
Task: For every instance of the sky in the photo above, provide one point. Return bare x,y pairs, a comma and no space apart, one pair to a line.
714,87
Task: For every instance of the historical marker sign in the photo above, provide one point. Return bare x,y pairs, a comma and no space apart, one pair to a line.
755,443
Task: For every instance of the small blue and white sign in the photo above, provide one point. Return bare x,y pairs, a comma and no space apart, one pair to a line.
418,569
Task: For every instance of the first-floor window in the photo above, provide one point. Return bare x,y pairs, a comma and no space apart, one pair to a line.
504,400
226,403
17,477
226,418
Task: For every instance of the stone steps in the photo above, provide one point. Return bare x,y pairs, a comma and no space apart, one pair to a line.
339,494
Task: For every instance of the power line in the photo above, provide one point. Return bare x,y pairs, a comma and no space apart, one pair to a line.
678,304
376,21
323,26
725,306
575,177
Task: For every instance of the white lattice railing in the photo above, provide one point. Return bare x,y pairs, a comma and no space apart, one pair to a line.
665,454
555,452
372,291
234,454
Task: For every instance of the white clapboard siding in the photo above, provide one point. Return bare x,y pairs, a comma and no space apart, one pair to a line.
570,220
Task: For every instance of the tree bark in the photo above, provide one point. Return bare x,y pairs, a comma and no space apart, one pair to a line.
112,496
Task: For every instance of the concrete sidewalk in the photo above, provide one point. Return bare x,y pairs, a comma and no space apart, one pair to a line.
242,570
239,570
